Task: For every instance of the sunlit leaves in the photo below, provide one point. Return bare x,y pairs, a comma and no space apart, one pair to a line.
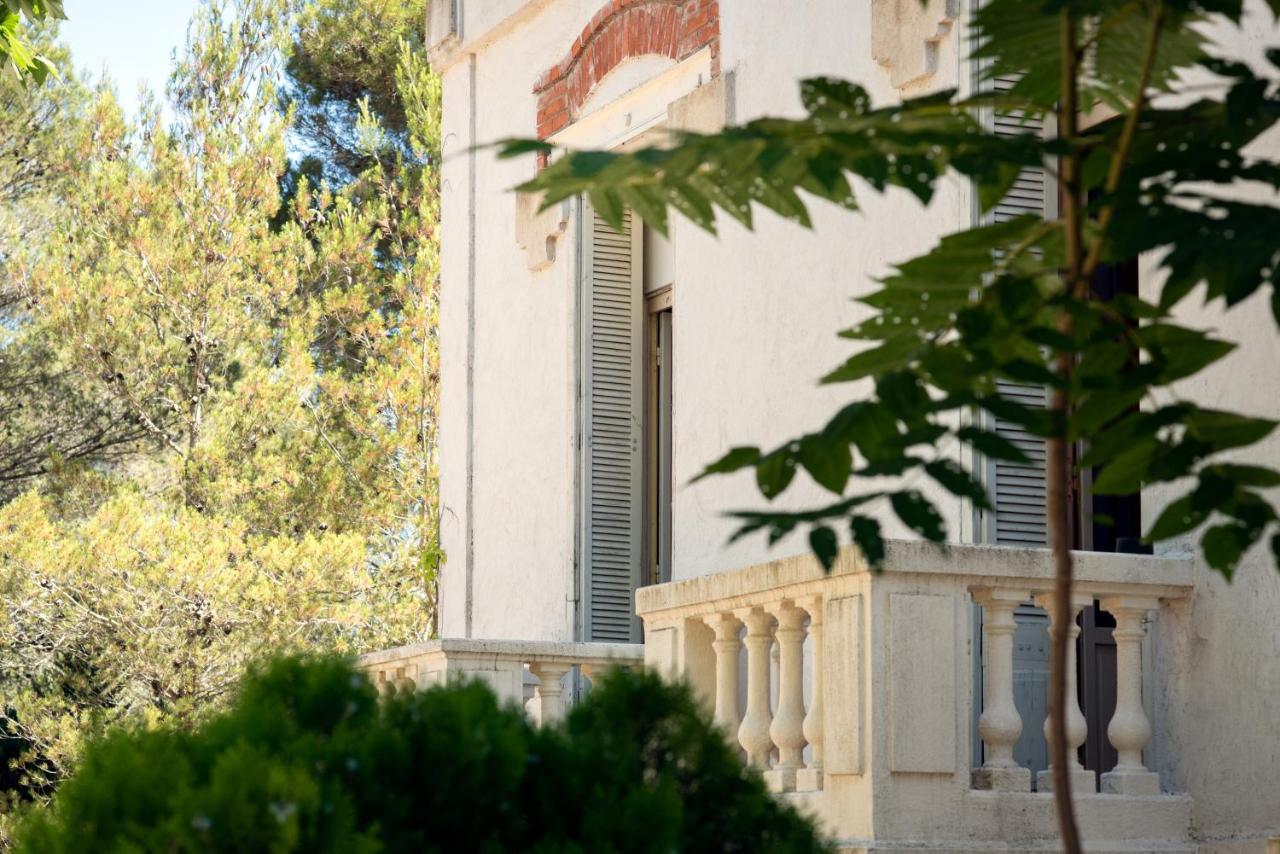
767,161
891,355
1224,430
16,51
1022,42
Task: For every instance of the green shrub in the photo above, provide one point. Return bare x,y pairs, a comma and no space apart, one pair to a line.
309,759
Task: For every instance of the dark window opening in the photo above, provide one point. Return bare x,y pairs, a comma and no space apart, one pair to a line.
1110,523
658,442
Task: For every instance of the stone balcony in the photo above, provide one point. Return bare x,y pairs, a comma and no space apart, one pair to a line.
864,699
535,674
857,693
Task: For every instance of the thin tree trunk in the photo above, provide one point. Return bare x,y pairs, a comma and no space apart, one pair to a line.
1059,534
1058,459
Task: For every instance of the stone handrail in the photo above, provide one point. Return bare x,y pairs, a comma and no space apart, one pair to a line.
887,659
501,664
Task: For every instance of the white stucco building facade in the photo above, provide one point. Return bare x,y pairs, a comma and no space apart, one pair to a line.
871,716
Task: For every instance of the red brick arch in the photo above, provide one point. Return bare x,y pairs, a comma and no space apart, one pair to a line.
620,30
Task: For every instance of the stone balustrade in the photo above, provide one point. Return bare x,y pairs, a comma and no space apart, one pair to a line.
890,695
757,660
1000,724
530,673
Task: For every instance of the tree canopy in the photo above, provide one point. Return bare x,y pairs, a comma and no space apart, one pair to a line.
308,758
230,386
346,61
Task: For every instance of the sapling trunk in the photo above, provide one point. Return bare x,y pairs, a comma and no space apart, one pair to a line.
1058,459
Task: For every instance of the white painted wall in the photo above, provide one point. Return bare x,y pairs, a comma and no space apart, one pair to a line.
522,541
1221,736
755,323
756,317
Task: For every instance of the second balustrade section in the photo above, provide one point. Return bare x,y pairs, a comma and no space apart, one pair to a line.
885,702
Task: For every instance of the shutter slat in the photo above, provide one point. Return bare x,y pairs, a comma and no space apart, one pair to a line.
611,366
1018,490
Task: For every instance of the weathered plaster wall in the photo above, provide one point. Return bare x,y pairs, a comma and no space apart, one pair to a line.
1220,656
521,545
755,315
520,466
454,277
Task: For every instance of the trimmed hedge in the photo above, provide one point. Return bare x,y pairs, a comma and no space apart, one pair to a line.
308,758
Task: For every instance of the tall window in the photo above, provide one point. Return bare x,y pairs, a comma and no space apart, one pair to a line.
659,275
1109,523
625,421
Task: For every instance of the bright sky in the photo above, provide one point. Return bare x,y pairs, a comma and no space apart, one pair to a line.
132,40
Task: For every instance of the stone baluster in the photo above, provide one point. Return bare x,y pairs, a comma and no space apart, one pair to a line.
753,733
1129,730
810,778
1000,724
407,678
1077,727
726,645
550,692
787,728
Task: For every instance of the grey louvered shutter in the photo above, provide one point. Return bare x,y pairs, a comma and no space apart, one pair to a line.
1018,490
612,351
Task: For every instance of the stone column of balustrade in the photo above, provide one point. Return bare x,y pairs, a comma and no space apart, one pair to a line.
406,678
753,733
1000,724
550,691
787,728
1129,730
810,778
1077,726
726,646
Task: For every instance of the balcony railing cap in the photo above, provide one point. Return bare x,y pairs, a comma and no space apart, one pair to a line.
524,651
979,566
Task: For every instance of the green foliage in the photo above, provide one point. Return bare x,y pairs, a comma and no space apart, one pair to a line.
267,367
25,59
1010,301
767,161
309,759
348,60
49,418
143,611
